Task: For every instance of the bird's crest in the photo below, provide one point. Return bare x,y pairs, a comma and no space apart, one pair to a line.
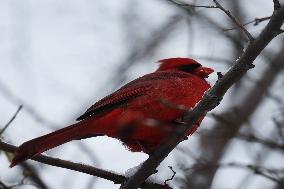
186,65
177,64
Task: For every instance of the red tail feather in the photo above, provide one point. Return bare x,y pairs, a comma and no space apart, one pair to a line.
41,144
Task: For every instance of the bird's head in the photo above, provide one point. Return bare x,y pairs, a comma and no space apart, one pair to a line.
186,65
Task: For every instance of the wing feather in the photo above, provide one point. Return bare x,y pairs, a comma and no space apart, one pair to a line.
115,99
135,88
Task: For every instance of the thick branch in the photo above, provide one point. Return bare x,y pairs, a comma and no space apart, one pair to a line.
211,99
114,177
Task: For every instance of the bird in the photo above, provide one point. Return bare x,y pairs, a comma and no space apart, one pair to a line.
141,114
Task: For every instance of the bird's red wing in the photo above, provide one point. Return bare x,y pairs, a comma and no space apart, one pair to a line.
135,88
115,99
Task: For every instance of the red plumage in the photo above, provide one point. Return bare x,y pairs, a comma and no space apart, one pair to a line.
141,114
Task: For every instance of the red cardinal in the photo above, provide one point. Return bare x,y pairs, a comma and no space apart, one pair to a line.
141,114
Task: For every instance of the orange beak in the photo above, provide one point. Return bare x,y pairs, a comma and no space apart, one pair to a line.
203,72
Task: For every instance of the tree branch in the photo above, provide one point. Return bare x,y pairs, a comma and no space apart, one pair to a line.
235,20
211,99
255,22
189,7
276,4
114,177
268,143
14,99
268,173
11,120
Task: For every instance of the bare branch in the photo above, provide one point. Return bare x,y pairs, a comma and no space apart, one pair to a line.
114,177
189,6
268,143
211,99
255,22
235,20
189,10
268,173
172,177
276,4
14,99
11,120
265,172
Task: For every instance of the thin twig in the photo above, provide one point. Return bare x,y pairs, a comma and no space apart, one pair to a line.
172,177
265,172
114,177
255,22
11,120
235,20
236,41
219,6
16,100
268,143
262,171
187,5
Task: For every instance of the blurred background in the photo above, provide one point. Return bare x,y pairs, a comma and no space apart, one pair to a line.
59,57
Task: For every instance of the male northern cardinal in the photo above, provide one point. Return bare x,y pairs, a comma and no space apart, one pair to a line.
142,113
